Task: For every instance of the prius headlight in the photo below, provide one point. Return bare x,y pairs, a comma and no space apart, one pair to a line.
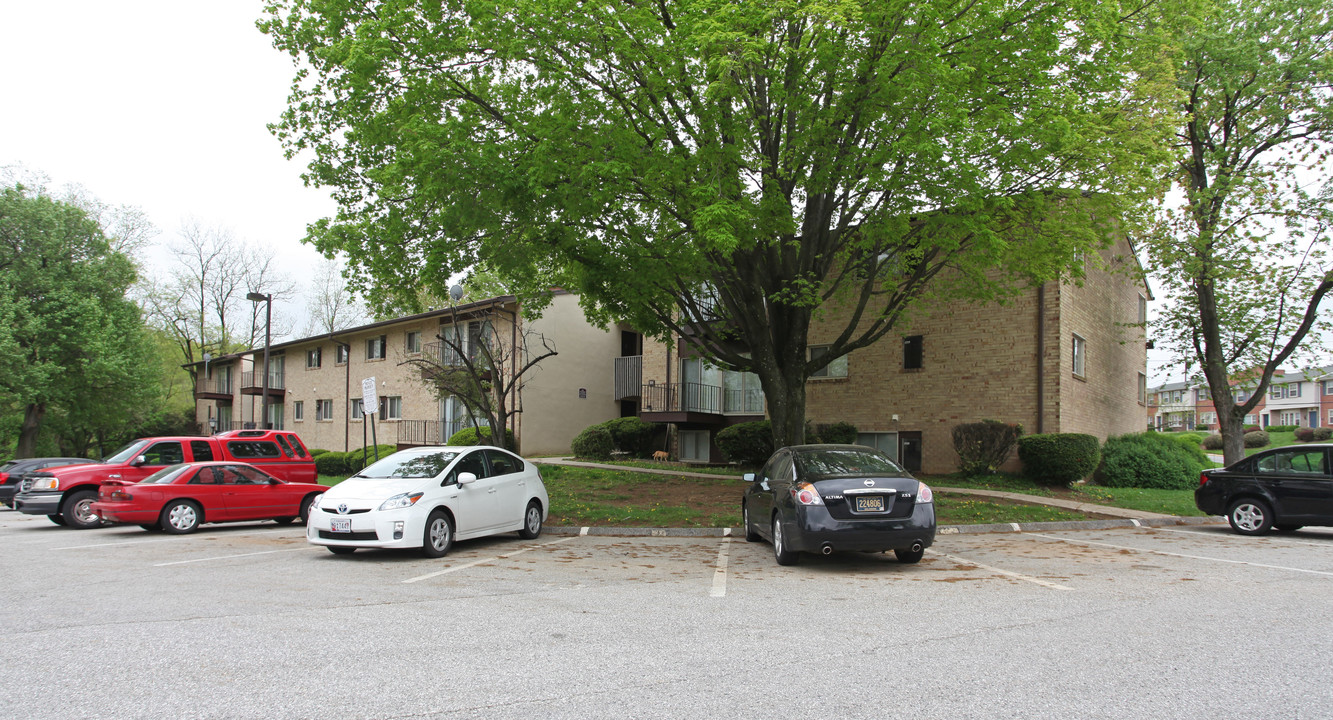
401,500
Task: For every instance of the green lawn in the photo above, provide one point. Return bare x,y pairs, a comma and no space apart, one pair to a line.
1170,502
966,510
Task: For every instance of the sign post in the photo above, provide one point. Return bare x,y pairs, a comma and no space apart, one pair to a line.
370,404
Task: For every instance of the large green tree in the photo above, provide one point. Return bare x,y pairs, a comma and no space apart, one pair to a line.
724,170
1242,250
69,337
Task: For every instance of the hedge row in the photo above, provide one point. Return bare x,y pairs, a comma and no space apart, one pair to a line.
329,462
478,436
1150,460
1059,458
630,435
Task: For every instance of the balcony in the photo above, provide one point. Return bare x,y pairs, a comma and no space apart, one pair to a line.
629,377
220,389
681,402
428,432
252,384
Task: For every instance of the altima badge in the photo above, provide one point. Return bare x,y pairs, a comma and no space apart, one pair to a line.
342,509
870,483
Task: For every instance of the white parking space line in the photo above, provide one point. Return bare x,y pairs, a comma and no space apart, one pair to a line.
484,561
1179,555
1288,541
1006,573
720,575
229,557
174,538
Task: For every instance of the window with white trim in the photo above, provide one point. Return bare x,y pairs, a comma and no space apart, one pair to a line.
324,409
298,411
391,407
836,368
1201,395
413,343
1143,309
1080,354
376,348
694,445
1143,388
358,409
314,357
340,354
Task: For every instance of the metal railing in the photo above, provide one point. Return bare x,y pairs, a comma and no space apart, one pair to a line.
629,376
428,432
216,386
256,380
681,397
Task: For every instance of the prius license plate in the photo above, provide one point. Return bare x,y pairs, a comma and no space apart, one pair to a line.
870,503
341,524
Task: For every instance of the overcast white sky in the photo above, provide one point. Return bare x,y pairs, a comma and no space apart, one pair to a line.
164,105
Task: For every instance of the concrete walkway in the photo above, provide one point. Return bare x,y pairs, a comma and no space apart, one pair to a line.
1076,506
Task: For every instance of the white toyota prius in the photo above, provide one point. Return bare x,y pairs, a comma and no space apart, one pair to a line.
428,497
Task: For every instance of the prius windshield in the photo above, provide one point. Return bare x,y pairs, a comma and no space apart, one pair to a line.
426,465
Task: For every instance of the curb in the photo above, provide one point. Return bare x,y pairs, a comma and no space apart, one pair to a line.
941,530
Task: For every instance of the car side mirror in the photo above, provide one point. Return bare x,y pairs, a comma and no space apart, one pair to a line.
139,460
466,478
748,477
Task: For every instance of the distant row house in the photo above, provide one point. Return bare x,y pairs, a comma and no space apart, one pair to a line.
1299,399
1060,357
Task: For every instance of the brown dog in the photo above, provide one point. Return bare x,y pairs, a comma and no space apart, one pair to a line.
661,455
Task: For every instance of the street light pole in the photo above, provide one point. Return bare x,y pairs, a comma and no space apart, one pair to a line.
268,324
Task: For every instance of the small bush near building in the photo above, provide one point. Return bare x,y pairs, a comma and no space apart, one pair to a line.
1257,439
1059,458
1322,433
331,463
632,435
1304,434
475,436
1149,460
984,446
594,443
1280,428
1252,428
1213,442
316,452
746,443
838,433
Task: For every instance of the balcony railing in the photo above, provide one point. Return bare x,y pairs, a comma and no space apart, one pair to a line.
629,376
255,381
428,432
681,397
443,354
215,386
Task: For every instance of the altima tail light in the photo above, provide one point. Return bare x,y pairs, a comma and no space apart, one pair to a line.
924,494
1203,479
806,494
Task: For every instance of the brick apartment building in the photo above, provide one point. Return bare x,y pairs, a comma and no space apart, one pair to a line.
1059,358
315,383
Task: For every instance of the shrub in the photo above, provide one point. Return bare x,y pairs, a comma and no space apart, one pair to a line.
1257,439
1058,458
471,436
1304,434
331,463
356,459
1149,460
632,435
316,452
1213,442
1193,435
1322,433
594,443
747,443
839,433
1281,428
1252,428
983,447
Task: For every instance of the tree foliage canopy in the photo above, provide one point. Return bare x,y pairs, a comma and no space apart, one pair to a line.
708,160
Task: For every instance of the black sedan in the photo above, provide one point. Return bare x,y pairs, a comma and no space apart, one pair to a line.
12,472
1282,489
822,498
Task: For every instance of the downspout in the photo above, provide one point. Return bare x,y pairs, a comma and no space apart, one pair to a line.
1041,357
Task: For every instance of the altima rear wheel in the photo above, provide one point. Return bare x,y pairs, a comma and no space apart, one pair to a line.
532,522
439,536
781,553
1250,517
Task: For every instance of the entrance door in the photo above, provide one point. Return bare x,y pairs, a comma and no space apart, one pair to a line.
909,451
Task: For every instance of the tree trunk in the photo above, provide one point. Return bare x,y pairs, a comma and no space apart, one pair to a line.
1232,427
33,415
786,405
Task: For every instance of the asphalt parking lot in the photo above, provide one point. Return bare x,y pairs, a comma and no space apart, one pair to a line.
249,621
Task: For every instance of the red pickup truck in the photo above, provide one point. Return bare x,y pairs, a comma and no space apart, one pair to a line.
66,494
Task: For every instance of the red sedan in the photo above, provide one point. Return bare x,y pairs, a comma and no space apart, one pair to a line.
179,498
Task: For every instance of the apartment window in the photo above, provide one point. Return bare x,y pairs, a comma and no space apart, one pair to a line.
1143,388
914,352
1242,395
1290,417
358,409
413,344
1143,309
1080,357
375,348
1286,390
324,409
885,442
1200,394
298,411
1330,417
835,369
694,445
340,354
314,357
391,407
1328,387
1252,419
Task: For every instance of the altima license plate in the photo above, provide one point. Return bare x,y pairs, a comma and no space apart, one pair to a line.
341,524
870,503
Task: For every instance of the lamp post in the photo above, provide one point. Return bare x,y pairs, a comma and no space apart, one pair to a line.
268,323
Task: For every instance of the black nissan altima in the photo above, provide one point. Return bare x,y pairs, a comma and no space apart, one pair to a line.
823,498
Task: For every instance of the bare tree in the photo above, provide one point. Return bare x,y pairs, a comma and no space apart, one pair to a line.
329,305
485,370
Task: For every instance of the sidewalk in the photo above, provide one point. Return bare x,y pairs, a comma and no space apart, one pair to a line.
1118,517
